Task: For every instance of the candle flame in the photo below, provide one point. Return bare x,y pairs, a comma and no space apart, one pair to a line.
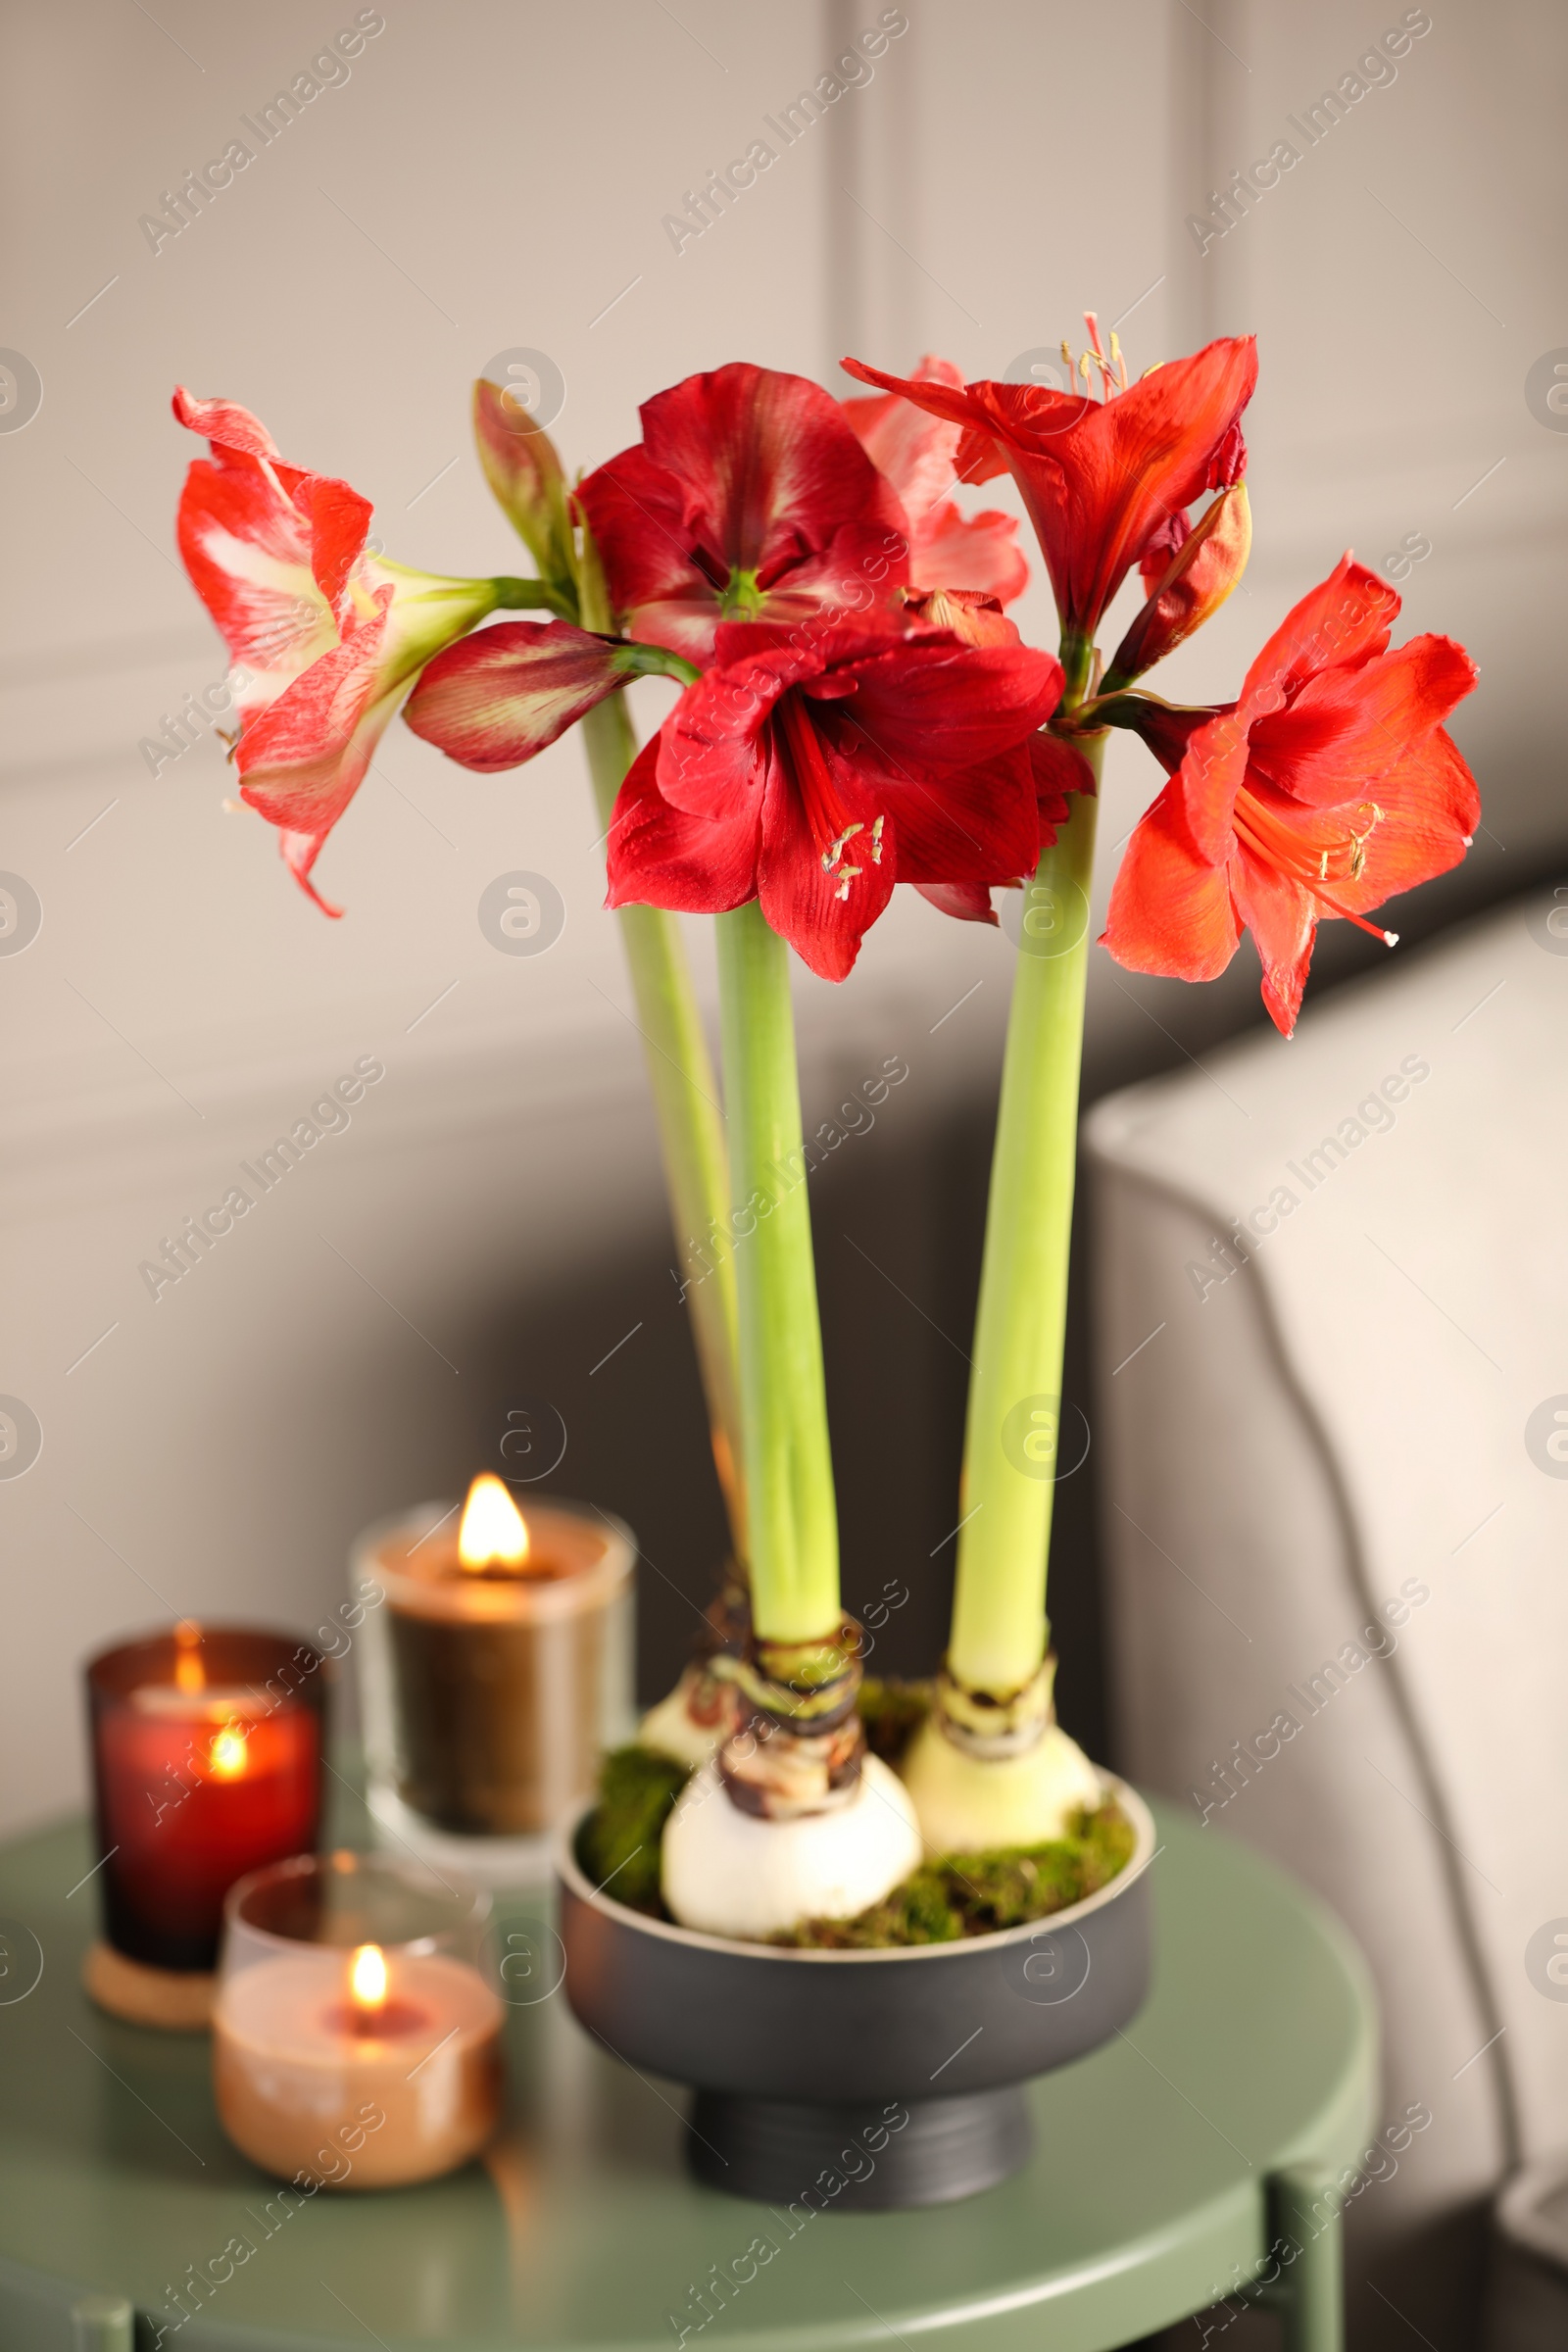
493,1531
189,1673
227,1752
368,1977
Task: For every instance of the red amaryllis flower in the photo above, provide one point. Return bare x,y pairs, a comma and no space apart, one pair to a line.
748,498
1100,477
324,637
1330,786
500,696
918,451
813,770
1057,767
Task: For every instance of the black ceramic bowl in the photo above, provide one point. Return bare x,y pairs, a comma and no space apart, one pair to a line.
924,2049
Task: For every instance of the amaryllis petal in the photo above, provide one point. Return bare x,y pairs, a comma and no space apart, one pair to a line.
1347,727
985,818
299,853
953,703
944,395
1212,771
738,490
1170,906
226,422
248,550
1100,478
822,904
338,521
709,754
1340,623
659,856
1427,810
499,697
914,447
1282,918
766,462
637,513
303,758
1055,770
974,618
918,451
1059,768
948,549
967,901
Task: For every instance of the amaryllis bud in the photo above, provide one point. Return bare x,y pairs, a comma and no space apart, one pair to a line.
1199,576
512,690
522,469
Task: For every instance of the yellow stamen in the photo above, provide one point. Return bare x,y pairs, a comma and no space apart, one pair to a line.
835,849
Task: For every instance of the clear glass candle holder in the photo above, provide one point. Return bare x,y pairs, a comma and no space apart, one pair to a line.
357,2028
489,1696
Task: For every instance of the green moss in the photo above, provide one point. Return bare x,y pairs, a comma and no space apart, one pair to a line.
618,1844
975,1895
959,1896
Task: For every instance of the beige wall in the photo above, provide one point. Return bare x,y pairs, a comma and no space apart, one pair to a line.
494,175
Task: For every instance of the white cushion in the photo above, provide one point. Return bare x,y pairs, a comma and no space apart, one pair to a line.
1318,1438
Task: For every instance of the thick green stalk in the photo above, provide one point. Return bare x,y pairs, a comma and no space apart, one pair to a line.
691,1125
524,596
791,1515
1013,1437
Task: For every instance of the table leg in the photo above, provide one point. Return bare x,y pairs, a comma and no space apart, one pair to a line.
102,2324
1305,2207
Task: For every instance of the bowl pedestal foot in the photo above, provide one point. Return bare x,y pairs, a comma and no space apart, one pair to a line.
878,2156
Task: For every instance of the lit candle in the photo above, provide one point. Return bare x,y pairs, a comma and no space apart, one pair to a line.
207,1763
360,2065
502,1664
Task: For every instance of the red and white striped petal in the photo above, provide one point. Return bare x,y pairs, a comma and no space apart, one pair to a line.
247,549
302,760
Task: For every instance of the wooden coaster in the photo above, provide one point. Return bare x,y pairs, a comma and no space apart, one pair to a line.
176,2001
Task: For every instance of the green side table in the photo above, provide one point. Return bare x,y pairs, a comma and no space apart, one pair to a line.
1169,2165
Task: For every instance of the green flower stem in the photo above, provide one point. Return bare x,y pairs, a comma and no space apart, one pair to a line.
691,1126
525,596
998,1611
789,1471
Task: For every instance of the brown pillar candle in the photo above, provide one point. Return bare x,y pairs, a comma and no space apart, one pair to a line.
501,1661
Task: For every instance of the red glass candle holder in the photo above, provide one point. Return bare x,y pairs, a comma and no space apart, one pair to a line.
207,1745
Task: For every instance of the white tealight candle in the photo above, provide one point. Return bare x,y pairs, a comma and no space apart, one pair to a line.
361,2069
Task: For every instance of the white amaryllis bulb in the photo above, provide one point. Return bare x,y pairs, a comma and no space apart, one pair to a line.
730,1873
674,1731
967,1805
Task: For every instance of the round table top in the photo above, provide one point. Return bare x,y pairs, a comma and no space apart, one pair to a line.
1144,2199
